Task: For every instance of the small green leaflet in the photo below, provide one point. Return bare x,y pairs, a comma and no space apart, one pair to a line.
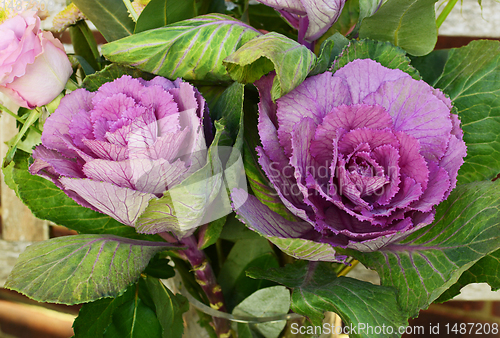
291,61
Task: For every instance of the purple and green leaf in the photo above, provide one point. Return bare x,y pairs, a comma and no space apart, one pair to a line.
316,289
184,49
82,268
431,260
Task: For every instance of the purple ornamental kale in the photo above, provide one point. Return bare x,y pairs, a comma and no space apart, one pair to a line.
311,17
115,149
360,156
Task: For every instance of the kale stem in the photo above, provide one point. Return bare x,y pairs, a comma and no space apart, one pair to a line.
348,268
205,277
18,118
446,11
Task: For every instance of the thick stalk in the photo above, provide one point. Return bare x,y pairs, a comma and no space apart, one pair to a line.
206,279
446,11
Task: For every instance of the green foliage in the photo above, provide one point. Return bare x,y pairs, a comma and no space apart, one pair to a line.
431,66
384,53
486,270
47,201
110,17
266,302
432,259
81,268
329,50
184,49
245,254
409,24
112,72
316,289
291,61
85,45
470,78
159,13
169,308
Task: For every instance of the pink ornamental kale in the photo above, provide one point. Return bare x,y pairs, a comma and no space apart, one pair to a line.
361,156
115,149
311,17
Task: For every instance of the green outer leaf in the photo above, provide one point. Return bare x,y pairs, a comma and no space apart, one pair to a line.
486,270
81,268
95,317
159,267
291,61
184,49
329,50
110,17
47,201
169,308
409,24
134,319
384,53
112,72
316,289
431,66
159,13
428,262
82,46
266,18
470,78
271,301
244,254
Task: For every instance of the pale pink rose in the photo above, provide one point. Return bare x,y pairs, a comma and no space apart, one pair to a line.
34,67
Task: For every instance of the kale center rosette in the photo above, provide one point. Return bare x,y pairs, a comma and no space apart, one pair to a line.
360,156
116,149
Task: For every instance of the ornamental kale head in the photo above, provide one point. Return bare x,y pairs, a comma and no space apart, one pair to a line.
360,157
116,149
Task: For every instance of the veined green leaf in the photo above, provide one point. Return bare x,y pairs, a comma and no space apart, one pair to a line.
82,268
470,78
384,53
316,289
291,61
271,301
409,24
47,201
192,49
486,270
110,17
169,308
159,13
432,259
